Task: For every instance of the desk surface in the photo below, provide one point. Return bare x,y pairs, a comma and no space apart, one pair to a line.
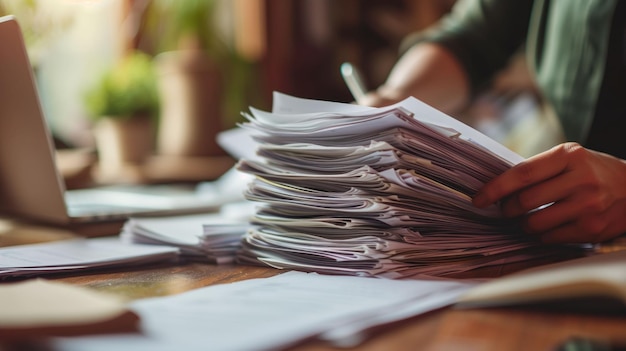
446,329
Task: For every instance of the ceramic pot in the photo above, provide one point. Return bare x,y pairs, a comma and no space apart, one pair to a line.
190,88
123,141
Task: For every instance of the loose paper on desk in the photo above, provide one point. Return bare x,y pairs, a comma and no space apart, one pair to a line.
368,191
213,237
78,255
273,313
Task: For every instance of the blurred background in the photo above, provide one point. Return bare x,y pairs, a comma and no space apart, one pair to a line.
191,67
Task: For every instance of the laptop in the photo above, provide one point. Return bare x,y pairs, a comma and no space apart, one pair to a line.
32,187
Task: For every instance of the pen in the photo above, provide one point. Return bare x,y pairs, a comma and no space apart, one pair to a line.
352,77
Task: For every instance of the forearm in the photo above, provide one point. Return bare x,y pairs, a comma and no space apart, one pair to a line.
428,72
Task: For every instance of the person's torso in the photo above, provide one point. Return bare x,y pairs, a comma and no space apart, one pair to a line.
571,45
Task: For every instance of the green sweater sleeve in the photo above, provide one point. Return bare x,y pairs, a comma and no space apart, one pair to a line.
482,34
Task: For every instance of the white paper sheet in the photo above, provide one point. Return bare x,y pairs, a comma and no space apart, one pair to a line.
214,237
79,254
272,313
283,103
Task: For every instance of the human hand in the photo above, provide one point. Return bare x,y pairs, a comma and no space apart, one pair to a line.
380,98
585,190
428,72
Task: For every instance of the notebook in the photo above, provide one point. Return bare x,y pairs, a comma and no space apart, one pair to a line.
39,308
31,186
593,284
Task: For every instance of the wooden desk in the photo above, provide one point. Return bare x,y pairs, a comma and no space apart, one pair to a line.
446,329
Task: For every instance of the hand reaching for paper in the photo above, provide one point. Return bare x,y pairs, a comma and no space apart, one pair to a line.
586,191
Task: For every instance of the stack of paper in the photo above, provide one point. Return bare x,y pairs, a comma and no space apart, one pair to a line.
375,191
210,237
78,255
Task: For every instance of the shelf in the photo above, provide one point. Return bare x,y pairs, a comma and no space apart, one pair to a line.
80,169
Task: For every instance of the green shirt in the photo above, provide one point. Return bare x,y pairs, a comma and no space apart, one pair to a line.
566,43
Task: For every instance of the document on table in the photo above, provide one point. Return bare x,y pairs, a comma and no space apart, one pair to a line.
78,255
273,313
213,237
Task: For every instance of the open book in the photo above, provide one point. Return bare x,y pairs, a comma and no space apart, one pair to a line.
593,284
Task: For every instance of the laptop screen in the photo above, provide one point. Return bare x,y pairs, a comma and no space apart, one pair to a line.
30,184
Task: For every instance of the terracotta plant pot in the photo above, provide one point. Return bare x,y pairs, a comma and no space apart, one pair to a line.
190,90
123,141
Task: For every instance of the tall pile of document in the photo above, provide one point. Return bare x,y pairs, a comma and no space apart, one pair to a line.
347,189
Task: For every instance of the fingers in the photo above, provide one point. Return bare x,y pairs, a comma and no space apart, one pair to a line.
568,210
585,192
379,98
552,190
534,170
590,228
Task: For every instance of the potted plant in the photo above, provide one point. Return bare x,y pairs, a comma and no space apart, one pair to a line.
190,78
123,104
